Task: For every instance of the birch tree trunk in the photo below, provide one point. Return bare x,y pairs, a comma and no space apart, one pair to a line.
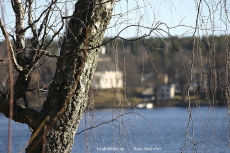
55,126
68,94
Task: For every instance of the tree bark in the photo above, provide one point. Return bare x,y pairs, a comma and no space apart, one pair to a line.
68,94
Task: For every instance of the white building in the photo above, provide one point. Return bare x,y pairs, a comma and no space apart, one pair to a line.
165,92
107,74
107,80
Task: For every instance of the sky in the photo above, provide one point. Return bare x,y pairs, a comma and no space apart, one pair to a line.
155,13
166,15
162,17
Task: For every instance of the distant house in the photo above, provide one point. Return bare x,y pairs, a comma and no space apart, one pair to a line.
165,92
148,95
107,75
107,80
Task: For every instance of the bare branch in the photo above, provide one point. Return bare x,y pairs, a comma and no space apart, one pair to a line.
19,16
34,40
55,34
8,44
39,18
132,39
22,115
197,16
105,122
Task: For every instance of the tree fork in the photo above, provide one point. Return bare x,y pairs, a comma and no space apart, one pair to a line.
68,94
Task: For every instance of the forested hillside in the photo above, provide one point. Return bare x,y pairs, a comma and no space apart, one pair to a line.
145,62
174,57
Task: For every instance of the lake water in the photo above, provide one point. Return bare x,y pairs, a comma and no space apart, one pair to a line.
163,130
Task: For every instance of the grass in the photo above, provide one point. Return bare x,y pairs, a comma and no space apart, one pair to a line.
112,98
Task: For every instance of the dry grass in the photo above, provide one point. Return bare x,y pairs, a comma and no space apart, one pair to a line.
112,98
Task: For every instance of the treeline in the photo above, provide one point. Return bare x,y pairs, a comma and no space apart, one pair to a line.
146,62
198,62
